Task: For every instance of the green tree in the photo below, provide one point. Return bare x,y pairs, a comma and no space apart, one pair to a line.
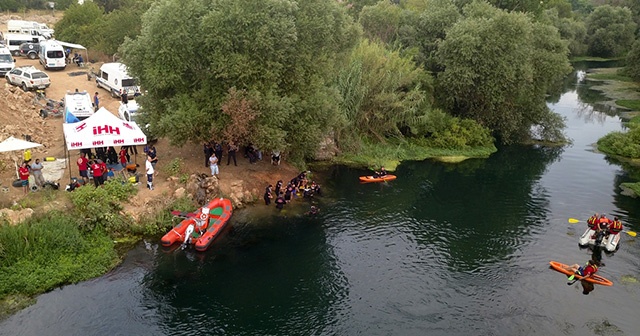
610,31
633,61
432,26
10,5
572,30
280,54
76,24
498,68
382,92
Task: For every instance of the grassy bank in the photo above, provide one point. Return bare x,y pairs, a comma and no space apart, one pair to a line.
633,105
55,248
389,155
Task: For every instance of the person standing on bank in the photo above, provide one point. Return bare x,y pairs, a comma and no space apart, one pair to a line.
23,171
208,151
150,172
232,153
213,164
36,169
96,102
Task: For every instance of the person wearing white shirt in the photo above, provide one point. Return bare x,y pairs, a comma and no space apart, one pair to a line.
150,172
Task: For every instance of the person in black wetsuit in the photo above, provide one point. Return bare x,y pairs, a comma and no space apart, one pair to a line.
279,187
280,202
268,195
381,173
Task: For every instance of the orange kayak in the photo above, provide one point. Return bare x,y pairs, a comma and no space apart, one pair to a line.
596,279
206,224
368,179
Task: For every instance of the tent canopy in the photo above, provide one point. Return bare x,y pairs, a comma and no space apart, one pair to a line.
71,45
13,144
102,129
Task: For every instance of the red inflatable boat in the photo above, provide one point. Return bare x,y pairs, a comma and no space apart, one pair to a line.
203,227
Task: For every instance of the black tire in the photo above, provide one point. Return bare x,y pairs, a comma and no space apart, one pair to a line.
114,94
24,87
16,53
43,113
32,56
17,184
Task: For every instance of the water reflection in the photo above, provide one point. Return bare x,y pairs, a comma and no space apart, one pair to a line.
216,291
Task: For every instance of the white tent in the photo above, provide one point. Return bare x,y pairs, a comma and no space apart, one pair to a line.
75,46
12,144
102,129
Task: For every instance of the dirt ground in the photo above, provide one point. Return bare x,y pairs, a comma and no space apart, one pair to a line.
19,117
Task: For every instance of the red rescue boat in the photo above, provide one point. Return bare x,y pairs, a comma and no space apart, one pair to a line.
203,227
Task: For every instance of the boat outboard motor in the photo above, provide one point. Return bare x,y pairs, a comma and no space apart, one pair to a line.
187,235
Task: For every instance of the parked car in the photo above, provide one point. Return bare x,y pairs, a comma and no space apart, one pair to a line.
30,50
28,78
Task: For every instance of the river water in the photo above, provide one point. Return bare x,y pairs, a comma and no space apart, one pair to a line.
446,249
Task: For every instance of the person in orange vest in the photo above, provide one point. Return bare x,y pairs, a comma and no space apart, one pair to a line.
615,227
603,222
591,222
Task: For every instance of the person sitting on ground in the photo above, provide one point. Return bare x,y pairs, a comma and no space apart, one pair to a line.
614,228
275,158
381,173
591,222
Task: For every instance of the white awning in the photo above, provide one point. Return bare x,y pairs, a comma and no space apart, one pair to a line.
102,129
71,45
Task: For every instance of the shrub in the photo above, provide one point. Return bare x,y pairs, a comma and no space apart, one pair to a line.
623,144
102,205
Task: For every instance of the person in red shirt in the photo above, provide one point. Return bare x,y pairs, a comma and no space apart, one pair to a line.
584,271
123,156
96,169
23,171
591,222
83,167
615,227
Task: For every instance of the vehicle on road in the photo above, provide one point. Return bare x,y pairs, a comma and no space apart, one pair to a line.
52,56
29,50
7,62
13,41
114,78
130,112
77,106
28,78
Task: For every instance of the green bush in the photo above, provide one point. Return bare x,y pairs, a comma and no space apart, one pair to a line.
102,205
447,132
48,251
623,144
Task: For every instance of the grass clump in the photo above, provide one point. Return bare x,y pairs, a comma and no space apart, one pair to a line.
626,145
633,105
48,251
610,76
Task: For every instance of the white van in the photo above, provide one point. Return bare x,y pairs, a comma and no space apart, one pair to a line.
113,77
29,27
7,62
77,106
13,41
52,55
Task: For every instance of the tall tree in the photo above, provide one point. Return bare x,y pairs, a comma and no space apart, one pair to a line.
633,61
282,53
610,31
75,25
498,66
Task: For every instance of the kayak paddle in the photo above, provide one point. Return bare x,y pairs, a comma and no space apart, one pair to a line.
631,233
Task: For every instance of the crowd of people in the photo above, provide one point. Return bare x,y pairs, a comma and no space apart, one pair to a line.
299,186
106,163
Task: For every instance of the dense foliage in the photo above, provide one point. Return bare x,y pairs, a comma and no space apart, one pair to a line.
633,62
625,144
498,68
49,251
610,31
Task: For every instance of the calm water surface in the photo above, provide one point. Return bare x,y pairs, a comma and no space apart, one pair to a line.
443,250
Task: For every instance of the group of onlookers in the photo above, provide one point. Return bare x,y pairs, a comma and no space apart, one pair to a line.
27,169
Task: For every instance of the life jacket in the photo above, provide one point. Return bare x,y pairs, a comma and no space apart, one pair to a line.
615,227
583,270
591,222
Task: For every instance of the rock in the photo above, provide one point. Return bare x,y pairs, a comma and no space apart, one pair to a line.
16,216
327,149
180,192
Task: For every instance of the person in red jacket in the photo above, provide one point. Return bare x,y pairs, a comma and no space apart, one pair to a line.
96,169
591,222
615,227
584,271
23,171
